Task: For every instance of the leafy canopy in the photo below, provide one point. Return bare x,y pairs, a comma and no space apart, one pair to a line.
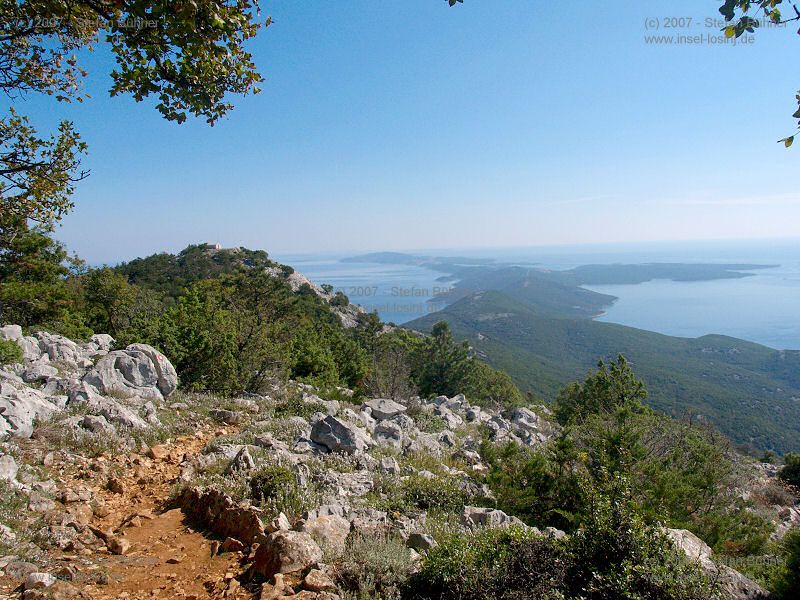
186,54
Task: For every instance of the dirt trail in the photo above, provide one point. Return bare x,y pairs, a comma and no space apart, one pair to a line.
167,558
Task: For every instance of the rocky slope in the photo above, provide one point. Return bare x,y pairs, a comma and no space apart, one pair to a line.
115,485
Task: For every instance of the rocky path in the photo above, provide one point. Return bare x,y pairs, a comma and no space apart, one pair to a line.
164,556
151,550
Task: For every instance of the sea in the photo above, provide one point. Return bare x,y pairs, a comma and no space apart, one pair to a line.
763,308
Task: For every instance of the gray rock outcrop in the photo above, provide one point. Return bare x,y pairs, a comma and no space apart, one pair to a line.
340,436
733,585
138,371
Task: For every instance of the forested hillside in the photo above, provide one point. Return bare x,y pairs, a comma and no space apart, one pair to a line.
748,391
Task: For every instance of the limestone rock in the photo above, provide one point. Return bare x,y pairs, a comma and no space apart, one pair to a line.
389,465
340,436
383,408
8,468
421,542
733,585
38,372
39,581
286,552
279,523
118,545
476,517
232,545
241,462
389,433
229,417
138,371
97,424
318,581
329,531
20,406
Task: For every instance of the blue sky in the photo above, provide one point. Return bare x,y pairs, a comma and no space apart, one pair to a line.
407,124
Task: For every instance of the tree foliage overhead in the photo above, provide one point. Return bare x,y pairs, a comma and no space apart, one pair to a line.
186,54
745,16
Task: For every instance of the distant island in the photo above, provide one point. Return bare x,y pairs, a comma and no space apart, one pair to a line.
549,291
537,325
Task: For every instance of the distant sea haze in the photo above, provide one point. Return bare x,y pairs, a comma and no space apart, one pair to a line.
762,308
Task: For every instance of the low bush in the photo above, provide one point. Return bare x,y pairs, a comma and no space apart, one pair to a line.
614,555
442,493
275,489
790,472
374,567
10,352
415,493
788,585
468,566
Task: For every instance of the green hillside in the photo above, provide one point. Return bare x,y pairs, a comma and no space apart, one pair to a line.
749,391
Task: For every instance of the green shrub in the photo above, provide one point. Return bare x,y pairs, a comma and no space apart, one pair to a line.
10,352
611,386
275,489
415,493
269,482
468,566
440,365
790,472
789,582
615,555
540,486
339,299
374,567
425,421
442,493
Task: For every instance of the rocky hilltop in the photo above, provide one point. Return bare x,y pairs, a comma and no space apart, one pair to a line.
116,485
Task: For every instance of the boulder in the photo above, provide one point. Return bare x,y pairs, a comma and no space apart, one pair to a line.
39,371
20,406
318,581
329,531
62,350
243,461
102,341
114,412
424,442
97,424
421,542
11,333
340,436
732,584
167,377
475,517
453,420
39,581
389,433
29,344
222,515
389,466
383,408
447,438
286,552
229,417
8,468
279,523
138,371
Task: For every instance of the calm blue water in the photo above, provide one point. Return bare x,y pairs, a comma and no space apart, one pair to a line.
399,293
764,308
